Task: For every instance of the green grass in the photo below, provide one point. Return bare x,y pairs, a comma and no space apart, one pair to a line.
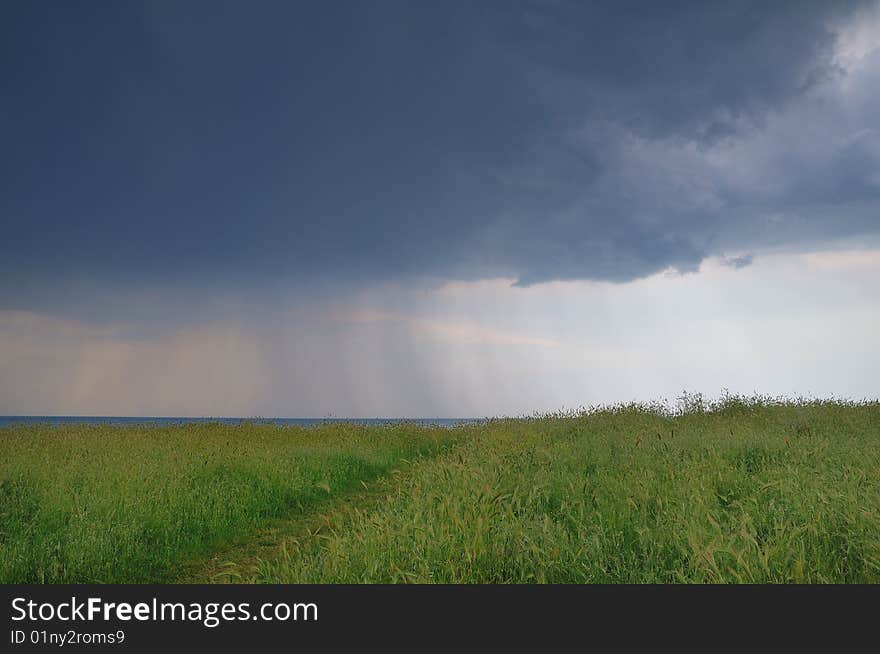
109,504
752,491
746,490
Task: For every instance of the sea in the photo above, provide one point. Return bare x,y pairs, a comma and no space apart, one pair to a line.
9,421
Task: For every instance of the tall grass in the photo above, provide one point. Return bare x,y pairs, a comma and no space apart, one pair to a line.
87,503
739,490
736,490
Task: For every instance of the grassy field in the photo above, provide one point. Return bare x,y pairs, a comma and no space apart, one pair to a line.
742,491
109,504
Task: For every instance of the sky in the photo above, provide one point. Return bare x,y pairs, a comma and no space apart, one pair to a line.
435,209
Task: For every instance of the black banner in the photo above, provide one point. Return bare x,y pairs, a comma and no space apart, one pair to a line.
149,617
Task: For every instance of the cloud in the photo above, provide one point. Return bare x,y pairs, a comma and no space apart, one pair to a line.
472,348
844,260
534,141
738,262
461,332
66,367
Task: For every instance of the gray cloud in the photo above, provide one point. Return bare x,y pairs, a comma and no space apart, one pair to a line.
538,140
738,262
471,348
804,172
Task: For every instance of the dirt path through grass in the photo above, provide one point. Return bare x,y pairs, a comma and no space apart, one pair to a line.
138,503
238,563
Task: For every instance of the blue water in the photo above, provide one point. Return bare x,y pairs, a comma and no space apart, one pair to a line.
6,421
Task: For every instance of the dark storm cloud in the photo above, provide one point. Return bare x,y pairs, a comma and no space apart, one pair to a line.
228,144
683,68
